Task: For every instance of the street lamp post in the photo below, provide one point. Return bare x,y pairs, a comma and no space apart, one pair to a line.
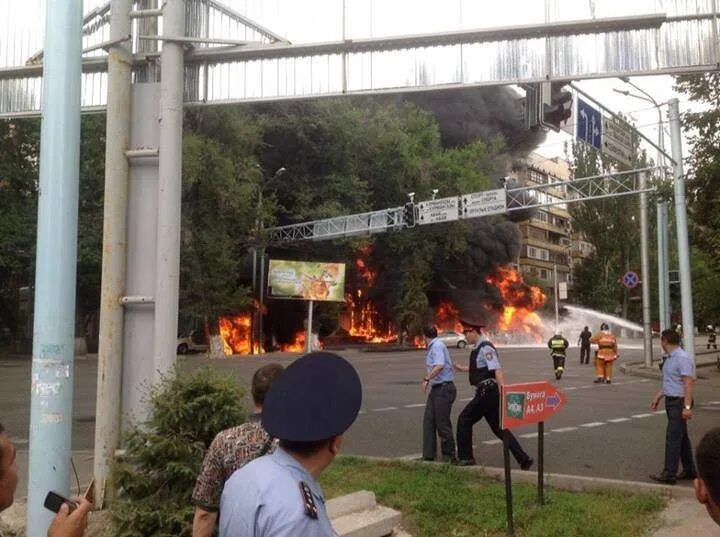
259,240
662,213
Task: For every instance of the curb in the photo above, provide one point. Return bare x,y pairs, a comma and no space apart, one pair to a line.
566,482
638,369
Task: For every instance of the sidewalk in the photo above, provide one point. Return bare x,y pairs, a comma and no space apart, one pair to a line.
703,359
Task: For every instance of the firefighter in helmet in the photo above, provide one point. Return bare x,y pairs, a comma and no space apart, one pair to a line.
711,336
558,345
606,354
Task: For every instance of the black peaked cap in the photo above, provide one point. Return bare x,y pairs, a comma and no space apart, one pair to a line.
317,397
472,323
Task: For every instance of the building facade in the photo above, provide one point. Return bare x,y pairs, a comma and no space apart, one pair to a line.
548,242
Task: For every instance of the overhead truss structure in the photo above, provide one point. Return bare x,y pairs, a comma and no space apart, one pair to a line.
517,199
230,58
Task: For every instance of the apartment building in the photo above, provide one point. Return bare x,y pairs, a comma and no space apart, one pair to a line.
547,237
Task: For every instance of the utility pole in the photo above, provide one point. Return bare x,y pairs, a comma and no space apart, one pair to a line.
56,261
662,212
167,276
110,346
645,272
688,321
555,293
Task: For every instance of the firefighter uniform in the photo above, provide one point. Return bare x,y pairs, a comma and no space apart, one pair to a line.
558,346
711,337
606,354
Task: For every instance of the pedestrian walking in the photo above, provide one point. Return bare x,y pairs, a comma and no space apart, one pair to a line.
232,449
558,346
677,389
439,385
584,342
308,409
486,375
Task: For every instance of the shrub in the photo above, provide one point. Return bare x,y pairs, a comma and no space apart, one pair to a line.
157,473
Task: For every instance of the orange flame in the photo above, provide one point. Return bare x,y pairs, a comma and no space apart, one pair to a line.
519,303
235,333
298,344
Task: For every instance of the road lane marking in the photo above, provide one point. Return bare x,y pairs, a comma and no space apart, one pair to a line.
564,429
570,388
467,399
415,405
641,415
492,442
384,409
618,420
361,412
592,424
659,412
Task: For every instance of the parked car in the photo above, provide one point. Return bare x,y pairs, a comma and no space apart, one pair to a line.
191,343
453,339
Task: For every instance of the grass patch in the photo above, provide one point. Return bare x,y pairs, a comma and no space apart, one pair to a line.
440,500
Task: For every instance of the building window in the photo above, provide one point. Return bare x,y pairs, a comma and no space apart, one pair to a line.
538,253
537,177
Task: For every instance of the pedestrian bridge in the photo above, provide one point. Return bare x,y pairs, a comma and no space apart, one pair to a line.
404,45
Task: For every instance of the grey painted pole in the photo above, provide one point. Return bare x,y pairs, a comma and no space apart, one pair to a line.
308,332
688,320
167,282
555,293
662,239
110,346
645,272
55,273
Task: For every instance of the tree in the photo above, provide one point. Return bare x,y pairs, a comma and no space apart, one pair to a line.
703,176
220,184
19,145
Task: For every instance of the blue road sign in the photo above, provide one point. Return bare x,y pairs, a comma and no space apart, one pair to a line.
589,124
630,279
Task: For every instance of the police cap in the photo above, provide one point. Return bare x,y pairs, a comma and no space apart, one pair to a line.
317,397
473,324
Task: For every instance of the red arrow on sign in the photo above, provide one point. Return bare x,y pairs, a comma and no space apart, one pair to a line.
530,402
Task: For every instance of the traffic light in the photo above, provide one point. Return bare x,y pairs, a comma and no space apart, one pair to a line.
556,105
409,214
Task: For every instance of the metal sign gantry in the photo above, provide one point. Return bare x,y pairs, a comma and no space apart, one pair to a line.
595,187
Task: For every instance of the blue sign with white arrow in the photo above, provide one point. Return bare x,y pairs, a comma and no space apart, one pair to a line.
589,124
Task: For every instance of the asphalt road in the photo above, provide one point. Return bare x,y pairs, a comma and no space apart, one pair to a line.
604,430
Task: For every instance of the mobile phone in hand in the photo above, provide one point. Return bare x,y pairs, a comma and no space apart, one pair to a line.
54,501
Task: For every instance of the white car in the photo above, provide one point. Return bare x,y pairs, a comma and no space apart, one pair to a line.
453,339
189,343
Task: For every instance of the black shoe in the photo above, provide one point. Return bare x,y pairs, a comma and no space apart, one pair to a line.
427,459
466,462
608,381
527,464
450,460
684,476
664,478
598,381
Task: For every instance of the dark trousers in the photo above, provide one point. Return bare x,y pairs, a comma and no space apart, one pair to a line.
677,442
485,404
585,354
437,420
558,361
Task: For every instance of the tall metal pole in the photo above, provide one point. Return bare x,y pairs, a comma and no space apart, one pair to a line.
645,271
110,347
688,320
261,296
662,239
555,293
167,282
308,333
54,315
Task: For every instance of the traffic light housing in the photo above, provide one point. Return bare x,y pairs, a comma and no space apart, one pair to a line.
557,105
409,214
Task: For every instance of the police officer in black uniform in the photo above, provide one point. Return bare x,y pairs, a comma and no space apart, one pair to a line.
486,375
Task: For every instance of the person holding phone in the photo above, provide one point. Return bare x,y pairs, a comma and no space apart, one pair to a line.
67,523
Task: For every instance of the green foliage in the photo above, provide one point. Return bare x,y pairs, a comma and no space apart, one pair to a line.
706,287
470,505
703,179
156,476
612,226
